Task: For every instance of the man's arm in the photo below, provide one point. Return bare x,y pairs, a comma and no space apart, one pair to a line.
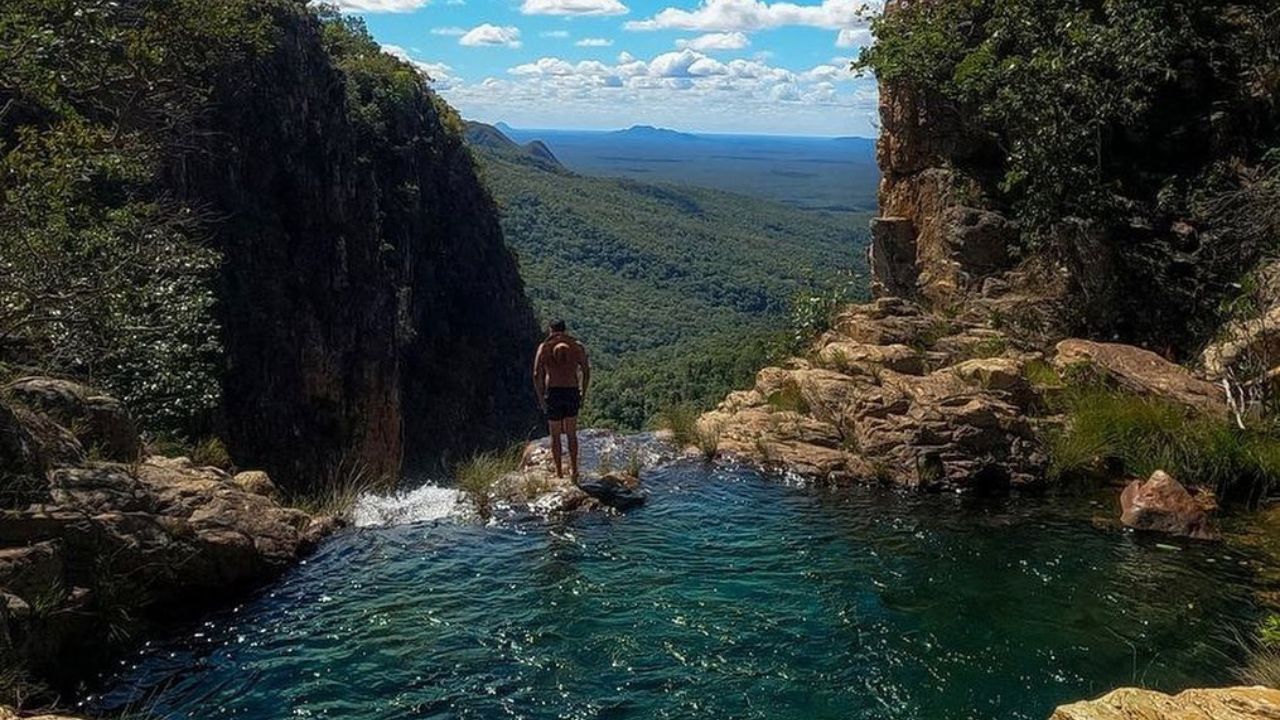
585,365
540,377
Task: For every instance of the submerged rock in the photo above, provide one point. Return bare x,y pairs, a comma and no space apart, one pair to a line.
1162,504
1237,703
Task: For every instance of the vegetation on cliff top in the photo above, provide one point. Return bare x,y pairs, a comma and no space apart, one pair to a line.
1074,96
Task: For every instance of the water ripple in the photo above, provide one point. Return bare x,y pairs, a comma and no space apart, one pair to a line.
728,595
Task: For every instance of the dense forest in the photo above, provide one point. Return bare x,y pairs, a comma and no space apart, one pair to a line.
679,291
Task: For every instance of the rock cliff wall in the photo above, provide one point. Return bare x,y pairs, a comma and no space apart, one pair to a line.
372,313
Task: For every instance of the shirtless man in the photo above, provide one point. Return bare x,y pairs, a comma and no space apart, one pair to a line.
561,374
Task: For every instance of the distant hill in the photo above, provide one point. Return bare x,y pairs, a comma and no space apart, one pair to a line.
493,139
649,132
831,174
674,288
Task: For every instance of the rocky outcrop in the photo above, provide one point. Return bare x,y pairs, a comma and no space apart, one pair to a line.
1142,372
534,487
892,394
1237,703
372,313
90,549
1161,504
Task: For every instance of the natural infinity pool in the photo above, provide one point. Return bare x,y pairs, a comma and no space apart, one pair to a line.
729,595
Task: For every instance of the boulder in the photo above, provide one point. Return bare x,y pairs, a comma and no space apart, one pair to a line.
256,482
11,714
1162,504
1236,703
98,421
1143,372
617,490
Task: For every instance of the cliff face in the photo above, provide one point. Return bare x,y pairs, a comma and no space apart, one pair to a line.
372,313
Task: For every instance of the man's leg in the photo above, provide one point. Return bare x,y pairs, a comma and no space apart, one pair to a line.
571,428
556,428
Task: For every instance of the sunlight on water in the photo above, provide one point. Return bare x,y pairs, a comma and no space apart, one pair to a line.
729,595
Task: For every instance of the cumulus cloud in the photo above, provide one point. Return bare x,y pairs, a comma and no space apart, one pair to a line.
853,37
380,6
452,31
488,35
573,7
594,42
752,15
673,87
715,41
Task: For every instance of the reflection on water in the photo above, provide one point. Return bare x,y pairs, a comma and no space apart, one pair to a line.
727,596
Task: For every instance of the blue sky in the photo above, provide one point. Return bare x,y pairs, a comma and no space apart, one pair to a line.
744,66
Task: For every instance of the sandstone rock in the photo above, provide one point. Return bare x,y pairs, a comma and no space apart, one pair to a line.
11,714
256,482
617,490
844,355
1142,371
33,571
1162,504
1237,703
1251,347
98,421
892,256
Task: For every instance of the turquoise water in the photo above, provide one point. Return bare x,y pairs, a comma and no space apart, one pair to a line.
729,595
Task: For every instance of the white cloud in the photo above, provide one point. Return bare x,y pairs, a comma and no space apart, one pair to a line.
752,15
455,2
715,41
440,75
487,35
676,89
853,37
554,34
452,31
380,6
594,42
573,7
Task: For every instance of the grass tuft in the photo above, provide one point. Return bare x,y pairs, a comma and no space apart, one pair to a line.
789,398
1148,434
477,475
682,422
336,494
211,452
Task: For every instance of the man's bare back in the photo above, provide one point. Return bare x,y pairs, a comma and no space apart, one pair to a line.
561,375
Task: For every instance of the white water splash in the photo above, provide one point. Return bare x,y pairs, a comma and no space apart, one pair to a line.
423,504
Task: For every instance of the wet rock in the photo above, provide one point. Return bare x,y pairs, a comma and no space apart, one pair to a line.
11,714
617,490
1237,703
1161,504
99,422
1143,372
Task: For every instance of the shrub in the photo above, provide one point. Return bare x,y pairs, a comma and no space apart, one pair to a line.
1148,434
682,421
812,311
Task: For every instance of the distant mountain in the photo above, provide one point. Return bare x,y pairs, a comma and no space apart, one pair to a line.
504,128
493,139
649,132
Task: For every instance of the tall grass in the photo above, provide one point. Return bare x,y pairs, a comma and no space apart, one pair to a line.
682,422
478,475
1146,434
336,493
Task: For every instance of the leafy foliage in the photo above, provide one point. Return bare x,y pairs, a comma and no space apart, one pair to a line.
101,273
1068,92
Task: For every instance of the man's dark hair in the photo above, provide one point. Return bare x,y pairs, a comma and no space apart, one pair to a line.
557,326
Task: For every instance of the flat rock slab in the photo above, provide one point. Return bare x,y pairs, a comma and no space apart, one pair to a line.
1237,703
615,490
